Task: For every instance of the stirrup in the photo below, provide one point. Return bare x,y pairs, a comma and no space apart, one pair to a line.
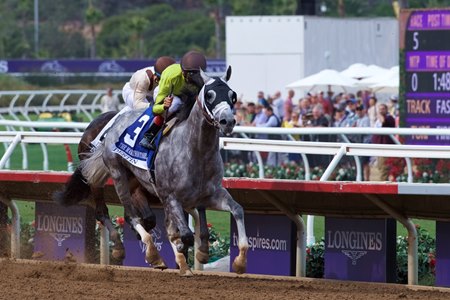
147,144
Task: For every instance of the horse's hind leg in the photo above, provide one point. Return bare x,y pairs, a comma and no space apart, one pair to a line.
222,200
102,215
120,178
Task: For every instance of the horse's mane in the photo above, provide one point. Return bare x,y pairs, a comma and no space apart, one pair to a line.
188,97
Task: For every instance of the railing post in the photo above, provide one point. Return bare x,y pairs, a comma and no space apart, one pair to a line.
15,226
104,244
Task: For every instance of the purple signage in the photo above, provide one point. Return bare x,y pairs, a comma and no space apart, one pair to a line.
62,232
135,249
443,254
270,239
360,249
427,73
430,20
63,66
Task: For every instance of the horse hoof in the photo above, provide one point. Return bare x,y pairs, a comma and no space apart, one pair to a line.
239,266
160,265
202,257
118,254
186,273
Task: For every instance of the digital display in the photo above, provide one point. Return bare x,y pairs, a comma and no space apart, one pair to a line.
427,73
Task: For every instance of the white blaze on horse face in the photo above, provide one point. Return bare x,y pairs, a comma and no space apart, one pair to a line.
224,115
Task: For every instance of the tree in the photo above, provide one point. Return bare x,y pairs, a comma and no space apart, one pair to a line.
93,18
137,26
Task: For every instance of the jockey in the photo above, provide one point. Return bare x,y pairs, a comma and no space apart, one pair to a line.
143,82
138,90
173,80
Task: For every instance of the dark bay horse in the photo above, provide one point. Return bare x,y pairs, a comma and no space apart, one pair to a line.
77,189
188,170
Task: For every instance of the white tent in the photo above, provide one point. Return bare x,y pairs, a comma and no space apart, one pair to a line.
325,78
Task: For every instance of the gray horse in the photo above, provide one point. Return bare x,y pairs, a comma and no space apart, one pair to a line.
188,172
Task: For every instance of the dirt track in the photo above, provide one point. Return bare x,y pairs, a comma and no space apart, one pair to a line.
48,280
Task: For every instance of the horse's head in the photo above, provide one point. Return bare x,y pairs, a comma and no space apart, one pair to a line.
217,100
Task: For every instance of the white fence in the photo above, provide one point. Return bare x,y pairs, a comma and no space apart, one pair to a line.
21,104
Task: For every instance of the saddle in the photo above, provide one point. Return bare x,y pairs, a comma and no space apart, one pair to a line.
128,146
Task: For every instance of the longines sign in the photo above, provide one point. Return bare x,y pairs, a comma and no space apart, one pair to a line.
360,249
60,229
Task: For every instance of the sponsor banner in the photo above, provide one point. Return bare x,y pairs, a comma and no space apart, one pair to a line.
271,244
443,254
135,249
62,232
63,66
360,249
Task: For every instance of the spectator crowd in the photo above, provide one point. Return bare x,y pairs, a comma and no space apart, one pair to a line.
320,109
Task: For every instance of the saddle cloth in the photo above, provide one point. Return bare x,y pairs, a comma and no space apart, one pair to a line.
128,144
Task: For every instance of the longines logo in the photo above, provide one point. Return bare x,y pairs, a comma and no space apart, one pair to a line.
354,255
59,227
60,237
354,244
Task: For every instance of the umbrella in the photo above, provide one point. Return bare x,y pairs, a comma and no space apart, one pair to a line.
379,74
357,71
326,78
390,83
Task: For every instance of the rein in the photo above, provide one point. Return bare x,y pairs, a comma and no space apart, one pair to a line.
208,116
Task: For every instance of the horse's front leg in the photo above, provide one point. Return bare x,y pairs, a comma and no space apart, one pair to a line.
179,234
202,254
140,201
120,179
222,200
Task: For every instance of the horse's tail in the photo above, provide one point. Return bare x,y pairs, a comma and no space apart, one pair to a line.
75,190
94,169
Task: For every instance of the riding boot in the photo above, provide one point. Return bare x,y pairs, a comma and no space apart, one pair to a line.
148,141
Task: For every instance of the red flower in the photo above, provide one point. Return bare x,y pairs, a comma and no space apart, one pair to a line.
120,221
432,263
209,225
308,251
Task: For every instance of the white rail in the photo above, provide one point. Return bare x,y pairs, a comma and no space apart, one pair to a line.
24,103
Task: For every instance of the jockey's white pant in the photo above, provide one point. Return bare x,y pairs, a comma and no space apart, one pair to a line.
98,139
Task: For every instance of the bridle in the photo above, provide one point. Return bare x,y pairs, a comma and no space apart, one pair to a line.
207,114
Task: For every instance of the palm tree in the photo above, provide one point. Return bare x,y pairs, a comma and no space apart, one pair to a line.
93,18
138,25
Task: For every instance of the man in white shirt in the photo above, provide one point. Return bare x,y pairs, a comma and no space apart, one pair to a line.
109,102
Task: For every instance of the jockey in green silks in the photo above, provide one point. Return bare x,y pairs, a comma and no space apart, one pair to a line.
173,79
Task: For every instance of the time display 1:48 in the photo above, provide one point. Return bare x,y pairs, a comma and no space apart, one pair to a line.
441,81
